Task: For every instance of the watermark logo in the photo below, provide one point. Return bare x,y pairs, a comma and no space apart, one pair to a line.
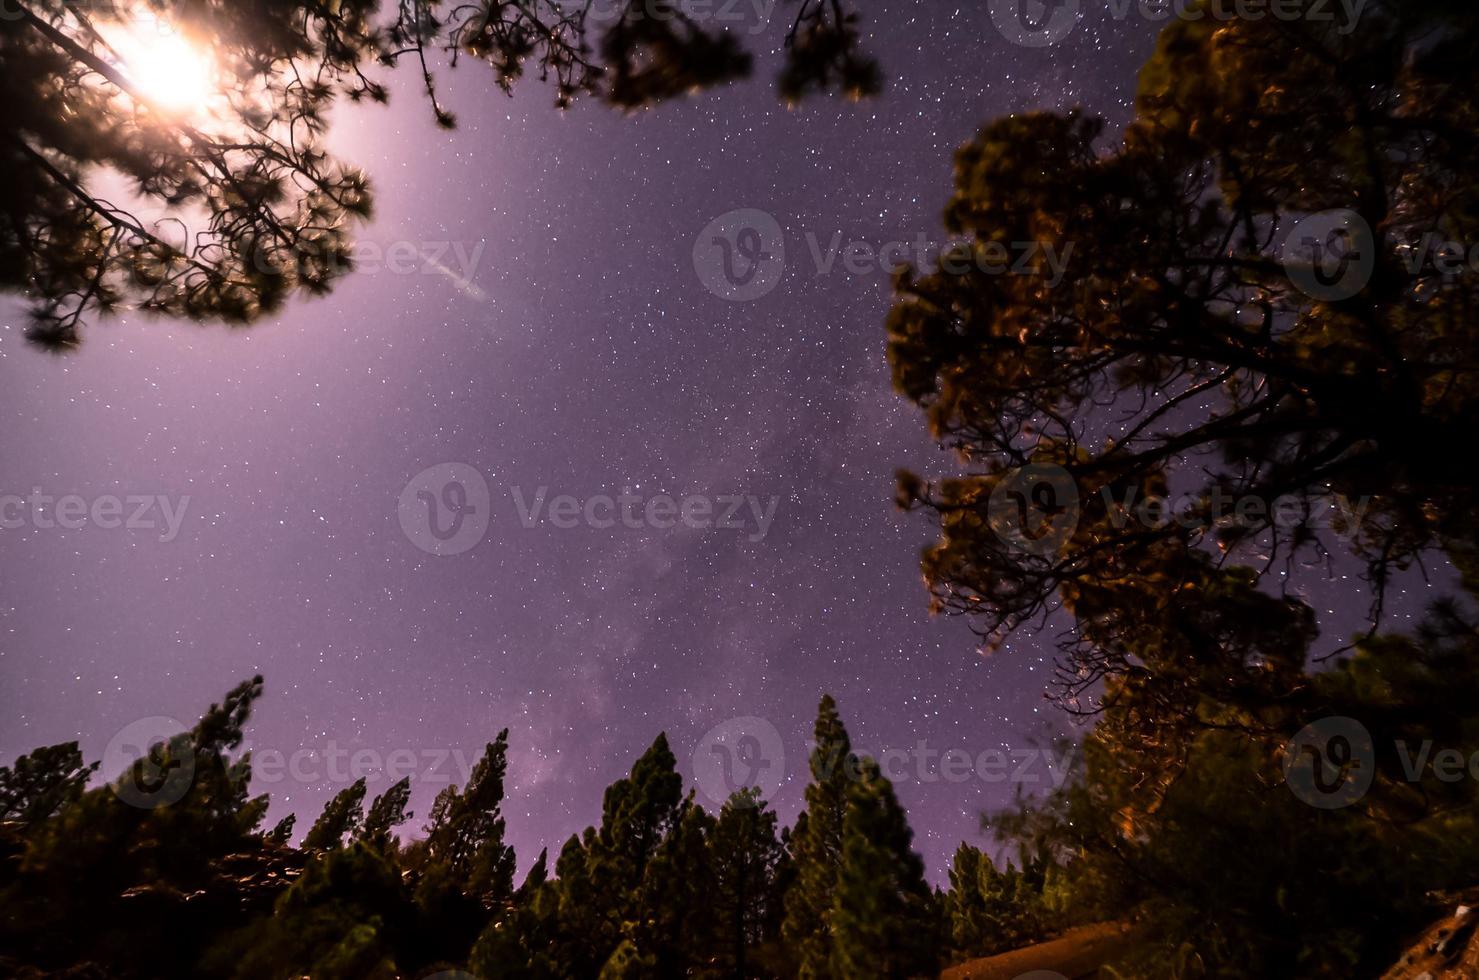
155,760
737,16
444,509
1330,255
1042,23
337,764
1330,763
699,512
740,754
1035,508
740,255
72,512
1035,23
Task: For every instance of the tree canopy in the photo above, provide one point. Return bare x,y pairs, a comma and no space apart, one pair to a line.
234,205
1256,314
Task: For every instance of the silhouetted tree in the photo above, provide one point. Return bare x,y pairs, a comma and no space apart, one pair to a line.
282,831
340,819
42,782
1315,889
466,877
1161,336
124,857
386,813
342,920
992,910
883,922
744,853
816,846
674,922
237,205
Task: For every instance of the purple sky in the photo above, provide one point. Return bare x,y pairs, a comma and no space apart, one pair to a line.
585,356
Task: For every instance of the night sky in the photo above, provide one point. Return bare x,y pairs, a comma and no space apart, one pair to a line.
584,354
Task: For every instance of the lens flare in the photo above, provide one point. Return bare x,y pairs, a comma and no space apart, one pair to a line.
174,75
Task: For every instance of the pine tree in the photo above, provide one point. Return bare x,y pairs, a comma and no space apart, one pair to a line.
266,212
971,932
340,818
535,879
467,868
524,944
817,846
386,813
42,782
600,874
743,857
991,910
344,919
282,831
674,921
883,917
160,827
1264,170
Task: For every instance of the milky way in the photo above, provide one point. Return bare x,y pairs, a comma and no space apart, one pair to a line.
546,325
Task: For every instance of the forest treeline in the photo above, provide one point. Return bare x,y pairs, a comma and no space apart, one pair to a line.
172,872
1195,829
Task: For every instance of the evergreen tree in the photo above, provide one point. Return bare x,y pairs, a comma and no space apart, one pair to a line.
251,208
344,919
42,782
972,933
743,857
535,879
386,813
1260,297
467,869
883,922
340,819
122,857
282,831
817,846
674,919
601,873
990,910
525,944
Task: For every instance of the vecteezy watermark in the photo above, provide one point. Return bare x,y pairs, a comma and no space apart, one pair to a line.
1042,23
72,512
446,509
740,754
1331,763
741,256
742,16
1330,255
728,512
747,753
1021,765
1035,509
333,763
455,260
1191,511
154,759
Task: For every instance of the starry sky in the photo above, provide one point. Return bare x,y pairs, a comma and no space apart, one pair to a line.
583,353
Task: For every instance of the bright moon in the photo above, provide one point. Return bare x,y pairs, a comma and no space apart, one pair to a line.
165,68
